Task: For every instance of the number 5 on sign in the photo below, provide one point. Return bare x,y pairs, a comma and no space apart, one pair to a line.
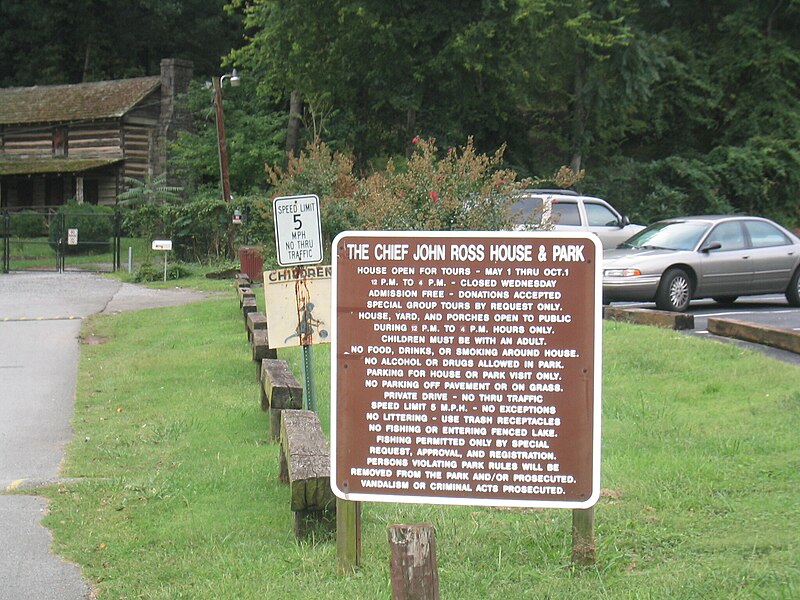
298,230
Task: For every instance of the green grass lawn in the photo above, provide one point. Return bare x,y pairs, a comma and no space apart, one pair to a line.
37,253
701,472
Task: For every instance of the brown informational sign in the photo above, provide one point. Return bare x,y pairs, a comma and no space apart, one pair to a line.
467,368
298,306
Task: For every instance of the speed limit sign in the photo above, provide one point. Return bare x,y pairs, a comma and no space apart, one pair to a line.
298,230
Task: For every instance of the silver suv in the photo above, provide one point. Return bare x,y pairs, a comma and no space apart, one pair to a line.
567,210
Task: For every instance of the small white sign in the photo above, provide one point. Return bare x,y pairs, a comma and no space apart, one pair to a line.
298,230
162,244
72,237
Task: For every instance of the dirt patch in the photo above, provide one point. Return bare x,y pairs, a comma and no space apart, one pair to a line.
611,494
93,340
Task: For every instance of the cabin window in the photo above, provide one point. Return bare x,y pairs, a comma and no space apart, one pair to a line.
60,141
24,191
91,191
54,191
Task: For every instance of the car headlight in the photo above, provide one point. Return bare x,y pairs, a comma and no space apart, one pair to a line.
621,272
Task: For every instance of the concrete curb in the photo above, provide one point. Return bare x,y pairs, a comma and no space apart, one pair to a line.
784,339
646,316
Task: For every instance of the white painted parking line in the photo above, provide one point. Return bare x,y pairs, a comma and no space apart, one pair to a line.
746,312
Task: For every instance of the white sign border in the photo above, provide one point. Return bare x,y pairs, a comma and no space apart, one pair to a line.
164,245
317,233
413,498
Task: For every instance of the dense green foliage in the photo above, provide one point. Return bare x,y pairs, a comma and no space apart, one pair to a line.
44,42
95,225
668,106
198,228
459,189
149,272
150,190
255,132
27,224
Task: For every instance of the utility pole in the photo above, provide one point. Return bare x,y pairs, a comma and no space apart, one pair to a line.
222,144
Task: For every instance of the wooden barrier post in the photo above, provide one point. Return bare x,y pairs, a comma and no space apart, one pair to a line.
279,390
583,547
255,321
348,535
305,466
415,575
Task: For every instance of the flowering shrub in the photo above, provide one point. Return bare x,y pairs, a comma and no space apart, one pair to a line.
461,190
321,171
458,189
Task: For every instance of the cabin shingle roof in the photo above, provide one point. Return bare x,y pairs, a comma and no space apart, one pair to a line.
41,166
76,102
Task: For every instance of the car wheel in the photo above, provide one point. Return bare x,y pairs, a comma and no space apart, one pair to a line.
793,291
674,291
724,299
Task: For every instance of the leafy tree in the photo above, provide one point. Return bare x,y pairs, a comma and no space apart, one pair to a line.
141,204
724,114
381,72
150,190
669,107
254,130
46,42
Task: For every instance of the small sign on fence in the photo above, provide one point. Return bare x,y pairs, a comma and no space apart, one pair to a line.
72,237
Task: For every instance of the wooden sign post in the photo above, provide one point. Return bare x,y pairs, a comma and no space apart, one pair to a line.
414,573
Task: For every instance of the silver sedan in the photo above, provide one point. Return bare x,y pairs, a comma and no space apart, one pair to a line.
722,257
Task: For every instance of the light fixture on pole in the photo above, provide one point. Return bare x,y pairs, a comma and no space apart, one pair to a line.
222,144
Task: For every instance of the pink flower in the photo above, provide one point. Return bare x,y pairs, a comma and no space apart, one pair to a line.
434,195
415,140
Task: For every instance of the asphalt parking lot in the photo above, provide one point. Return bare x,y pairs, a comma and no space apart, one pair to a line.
771,310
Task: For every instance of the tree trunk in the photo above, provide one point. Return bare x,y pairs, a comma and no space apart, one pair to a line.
361,151
771,18
86,63
579,115
293,131
411,125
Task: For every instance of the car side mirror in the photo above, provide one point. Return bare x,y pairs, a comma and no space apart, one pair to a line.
711,246
624,221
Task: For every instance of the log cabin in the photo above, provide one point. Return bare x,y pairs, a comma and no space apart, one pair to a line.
59,142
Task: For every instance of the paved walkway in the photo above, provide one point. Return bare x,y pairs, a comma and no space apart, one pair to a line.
40,318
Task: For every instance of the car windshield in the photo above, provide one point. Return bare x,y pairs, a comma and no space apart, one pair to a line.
669,235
